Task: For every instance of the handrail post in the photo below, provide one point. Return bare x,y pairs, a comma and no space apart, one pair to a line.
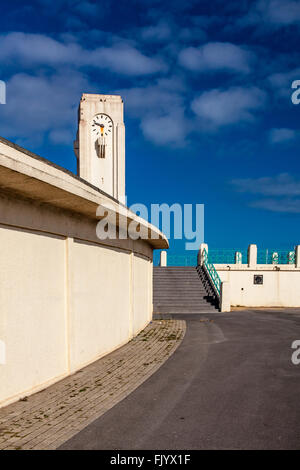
252,256
222,289
297,252
238,257
291,257
225,297
202,249
163,259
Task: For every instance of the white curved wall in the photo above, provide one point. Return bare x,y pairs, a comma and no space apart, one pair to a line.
100,304
64,303
66,298
32,303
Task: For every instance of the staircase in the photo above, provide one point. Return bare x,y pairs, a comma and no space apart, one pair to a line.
182,290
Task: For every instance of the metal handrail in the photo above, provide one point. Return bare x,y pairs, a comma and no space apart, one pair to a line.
276,256
212,273
264,256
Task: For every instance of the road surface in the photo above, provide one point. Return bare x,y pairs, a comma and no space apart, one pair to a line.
230,385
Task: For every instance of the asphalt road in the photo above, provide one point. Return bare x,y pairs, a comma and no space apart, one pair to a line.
230,385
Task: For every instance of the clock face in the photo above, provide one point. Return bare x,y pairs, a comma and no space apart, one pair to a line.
101,126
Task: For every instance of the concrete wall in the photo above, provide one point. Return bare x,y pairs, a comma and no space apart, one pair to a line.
66,297
32,315
280,288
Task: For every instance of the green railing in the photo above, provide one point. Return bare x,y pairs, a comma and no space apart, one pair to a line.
264,256
274,256
212,273
230,256
177,259
182,260
226,256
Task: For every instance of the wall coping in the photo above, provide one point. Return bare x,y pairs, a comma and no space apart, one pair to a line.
28,175
258,267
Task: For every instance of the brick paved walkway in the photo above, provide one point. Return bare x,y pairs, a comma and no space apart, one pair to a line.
48,418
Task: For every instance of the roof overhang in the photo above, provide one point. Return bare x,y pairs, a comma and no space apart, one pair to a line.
34,177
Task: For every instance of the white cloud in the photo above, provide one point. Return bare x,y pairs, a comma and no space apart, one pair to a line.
280,185
156,33
191,34
125,60
214,56
278,205
282,135
61,136
281,82
38,104
272,13
281,12
222,107
87,8
160,110
151,99
281,192
37,49
171,83
165,130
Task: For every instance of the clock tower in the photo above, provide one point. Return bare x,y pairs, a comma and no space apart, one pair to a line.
100,143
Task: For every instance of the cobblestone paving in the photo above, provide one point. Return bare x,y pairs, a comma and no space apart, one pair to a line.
48,418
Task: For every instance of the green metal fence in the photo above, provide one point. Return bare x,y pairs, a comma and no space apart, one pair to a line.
229,256
182,260
212,273
226,256
273,256
264,256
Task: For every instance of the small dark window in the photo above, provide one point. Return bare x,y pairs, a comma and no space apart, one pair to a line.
258,279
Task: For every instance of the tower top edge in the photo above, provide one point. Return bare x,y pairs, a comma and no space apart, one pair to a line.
99,97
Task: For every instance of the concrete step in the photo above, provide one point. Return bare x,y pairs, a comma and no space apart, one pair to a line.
176,279
204,298
174,268
185,298
205,309
181,290
177,284
185,306
175,271
183,280
176,274
184,285
175,292
179,295
182,298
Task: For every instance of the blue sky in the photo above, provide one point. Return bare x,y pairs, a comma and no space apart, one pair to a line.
207,91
